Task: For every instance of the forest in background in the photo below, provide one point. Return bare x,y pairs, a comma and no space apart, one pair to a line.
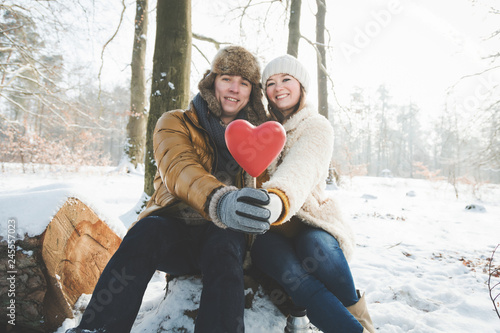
53,112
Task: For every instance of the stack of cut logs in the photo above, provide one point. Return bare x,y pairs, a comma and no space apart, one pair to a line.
55,268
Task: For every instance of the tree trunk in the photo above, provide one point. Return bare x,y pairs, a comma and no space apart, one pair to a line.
136,127
171,70
294,28
320,44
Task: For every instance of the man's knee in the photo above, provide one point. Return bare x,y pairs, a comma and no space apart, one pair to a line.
145,234
226,249
149,223
229,251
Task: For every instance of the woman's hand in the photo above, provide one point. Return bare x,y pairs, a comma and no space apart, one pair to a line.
275,206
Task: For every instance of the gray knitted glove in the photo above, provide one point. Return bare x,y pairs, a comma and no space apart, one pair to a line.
242,210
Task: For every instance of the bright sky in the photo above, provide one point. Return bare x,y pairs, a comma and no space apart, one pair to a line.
418,49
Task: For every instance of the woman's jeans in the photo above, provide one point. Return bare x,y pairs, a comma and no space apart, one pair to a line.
312,269
169,245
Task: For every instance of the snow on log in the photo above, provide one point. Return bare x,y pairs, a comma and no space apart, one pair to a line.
56,267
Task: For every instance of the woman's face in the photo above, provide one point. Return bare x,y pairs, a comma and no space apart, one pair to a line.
233,93
283,92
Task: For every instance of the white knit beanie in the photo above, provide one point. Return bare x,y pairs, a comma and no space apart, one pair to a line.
286,64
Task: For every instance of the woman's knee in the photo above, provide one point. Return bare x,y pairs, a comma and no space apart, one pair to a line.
321,255
317,236
273,253
316,245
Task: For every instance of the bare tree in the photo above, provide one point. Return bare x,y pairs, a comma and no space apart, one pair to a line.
29,72
41,101
406,138
171,68
491,152
383,131
294,28
136,127
494,272
320,44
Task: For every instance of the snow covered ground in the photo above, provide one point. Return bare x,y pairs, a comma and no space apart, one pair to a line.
421,256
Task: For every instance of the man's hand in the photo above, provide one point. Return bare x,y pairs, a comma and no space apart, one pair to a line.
242,210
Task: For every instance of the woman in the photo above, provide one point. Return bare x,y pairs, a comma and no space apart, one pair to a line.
307,249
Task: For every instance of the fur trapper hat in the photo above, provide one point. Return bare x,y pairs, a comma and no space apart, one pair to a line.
287,64
235,60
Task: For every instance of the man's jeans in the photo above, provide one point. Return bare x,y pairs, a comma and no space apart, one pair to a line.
169,245
312,269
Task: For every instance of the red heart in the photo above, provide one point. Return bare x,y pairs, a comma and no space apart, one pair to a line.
254,148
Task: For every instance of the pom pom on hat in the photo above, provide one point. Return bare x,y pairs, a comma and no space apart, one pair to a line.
286,64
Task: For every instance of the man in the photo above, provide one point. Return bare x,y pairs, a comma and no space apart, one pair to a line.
197,219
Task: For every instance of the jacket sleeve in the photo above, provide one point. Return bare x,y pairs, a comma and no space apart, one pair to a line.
305,164
184,160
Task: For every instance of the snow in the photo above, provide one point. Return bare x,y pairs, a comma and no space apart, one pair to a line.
413,250
34,198
421,258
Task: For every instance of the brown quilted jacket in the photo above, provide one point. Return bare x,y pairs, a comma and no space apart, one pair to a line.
184,159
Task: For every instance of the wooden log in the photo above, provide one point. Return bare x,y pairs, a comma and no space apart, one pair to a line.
26,287
56,267
76,247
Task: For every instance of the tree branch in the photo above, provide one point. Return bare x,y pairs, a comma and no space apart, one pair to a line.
104,48
493,299
470,75
323,69
202,54
210,40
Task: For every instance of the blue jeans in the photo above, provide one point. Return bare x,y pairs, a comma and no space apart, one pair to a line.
312,269
169,245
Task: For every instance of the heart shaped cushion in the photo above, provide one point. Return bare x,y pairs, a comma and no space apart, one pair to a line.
254,148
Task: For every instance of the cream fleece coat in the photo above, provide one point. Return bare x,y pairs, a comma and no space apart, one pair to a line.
300,172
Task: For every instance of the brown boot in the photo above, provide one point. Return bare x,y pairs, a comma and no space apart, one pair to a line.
360,312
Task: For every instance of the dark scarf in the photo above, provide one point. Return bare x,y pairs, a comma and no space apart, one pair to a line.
224,163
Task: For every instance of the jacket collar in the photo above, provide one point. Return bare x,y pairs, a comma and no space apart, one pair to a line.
308,111
191,114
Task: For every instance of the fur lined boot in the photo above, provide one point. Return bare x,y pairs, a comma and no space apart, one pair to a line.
360,312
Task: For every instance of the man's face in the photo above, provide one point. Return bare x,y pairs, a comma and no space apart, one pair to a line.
233,93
